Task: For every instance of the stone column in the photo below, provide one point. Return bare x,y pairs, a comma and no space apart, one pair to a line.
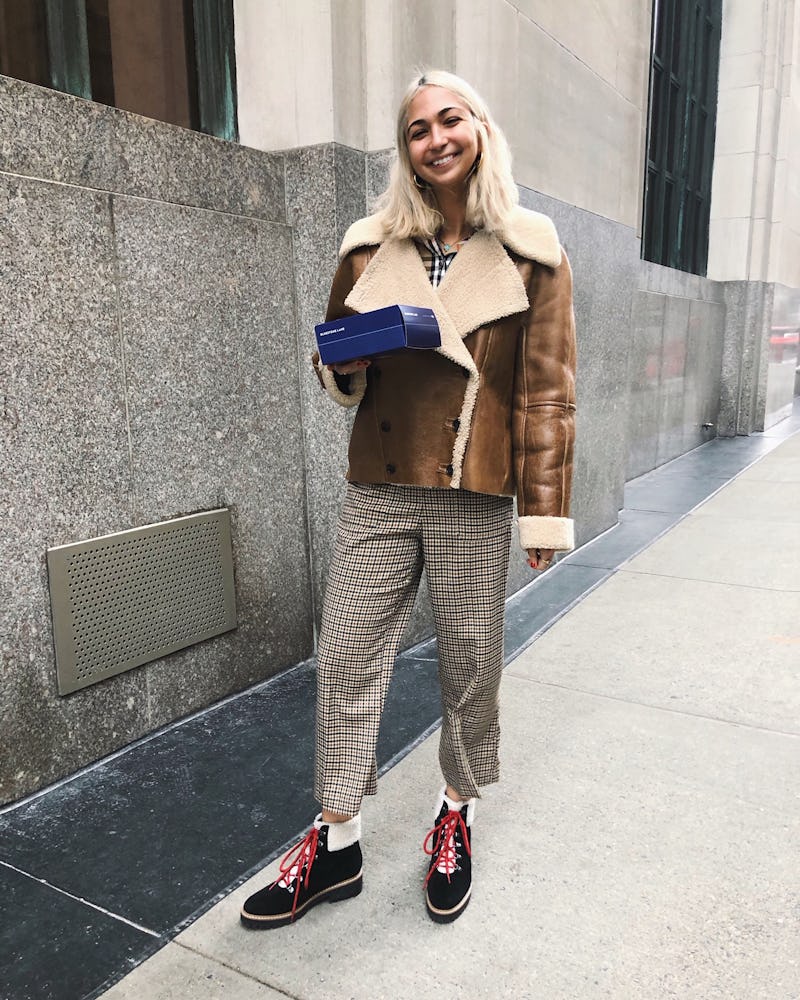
755,207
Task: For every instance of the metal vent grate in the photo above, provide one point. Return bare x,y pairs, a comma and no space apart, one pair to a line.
125,599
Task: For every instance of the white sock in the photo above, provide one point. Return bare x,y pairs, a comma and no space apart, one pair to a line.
444,798
341,835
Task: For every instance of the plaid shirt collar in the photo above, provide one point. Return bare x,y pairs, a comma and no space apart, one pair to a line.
435,259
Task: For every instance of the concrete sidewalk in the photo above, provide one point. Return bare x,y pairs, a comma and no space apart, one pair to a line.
645,839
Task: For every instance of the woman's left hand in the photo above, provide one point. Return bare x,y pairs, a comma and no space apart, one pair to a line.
540,558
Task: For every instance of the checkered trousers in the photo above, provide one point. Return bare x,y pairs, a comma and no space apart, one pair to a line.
386,535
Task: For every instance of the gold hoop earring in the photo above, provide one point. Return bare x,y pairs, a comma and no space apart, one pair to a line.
420,183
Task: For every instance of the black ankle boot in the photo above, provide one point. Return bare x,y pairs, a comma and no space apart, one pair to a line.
448,885
310,874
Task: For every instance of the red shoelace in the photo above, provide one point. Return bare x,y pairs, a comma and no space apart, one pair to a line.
291,867
444,844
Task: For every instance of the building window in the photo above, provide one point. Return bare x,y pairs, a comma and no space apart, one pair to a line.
172,60
680,139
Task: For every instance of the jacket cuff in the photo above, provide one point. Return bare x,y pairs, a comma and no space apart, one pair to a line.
547,533
327,378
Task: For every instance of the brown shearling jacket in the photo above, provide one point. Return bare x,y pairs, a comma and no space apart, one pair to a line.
492,409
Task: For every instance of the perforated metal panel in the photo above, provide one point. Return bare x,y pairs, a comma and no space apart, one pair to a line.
122,600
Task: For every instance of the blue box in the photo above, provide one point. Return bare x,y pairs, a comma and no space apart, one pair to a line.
377,332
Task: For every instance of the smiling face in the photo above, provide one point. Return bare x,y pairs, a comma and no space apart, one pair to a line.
442,139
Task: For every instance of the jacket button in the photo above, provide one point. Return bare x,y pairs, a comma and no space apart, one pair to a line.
391,469
449,470
456,424
385,425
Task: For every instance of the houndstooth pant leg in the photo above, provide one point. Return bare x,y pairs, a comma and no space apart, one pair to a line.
466,561
373,580
384,534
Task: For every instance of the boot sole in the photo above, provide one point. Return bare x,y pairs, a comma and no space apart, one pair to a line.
447,916
342,890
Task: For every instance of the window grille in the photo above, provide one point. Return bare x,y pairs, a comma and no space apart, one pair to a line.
680,141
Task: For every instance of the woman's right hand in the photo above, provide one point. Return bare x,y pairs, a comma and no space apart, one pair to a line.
349,367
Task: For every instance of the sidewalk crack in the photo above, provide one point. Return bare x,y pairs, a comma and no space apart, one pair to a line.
237,970
655,708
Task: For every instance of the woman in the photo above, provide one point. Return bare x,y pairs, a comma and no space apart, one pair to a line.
441,443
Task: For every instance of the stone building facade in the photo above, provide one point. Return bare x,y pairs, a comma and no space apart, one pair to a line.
160,288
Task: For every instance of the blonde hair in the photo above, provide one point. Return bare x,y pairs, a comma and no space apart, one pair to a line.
406,210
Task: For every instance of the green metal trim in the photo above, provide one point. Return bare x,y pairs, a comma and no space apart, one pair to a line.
68,47
216,68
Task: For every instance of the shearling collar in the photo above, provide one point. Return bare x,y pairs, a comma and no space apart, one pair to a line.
529,234
482,285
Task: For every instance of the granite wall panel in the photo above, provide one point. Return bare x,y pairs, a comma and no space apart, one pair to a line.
605,259
677,335
378,168
668,281
66,139
703,372
735,295
784,354
743,399
644,367
758,324
207,317
672,379
66,472
350,178
311,198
